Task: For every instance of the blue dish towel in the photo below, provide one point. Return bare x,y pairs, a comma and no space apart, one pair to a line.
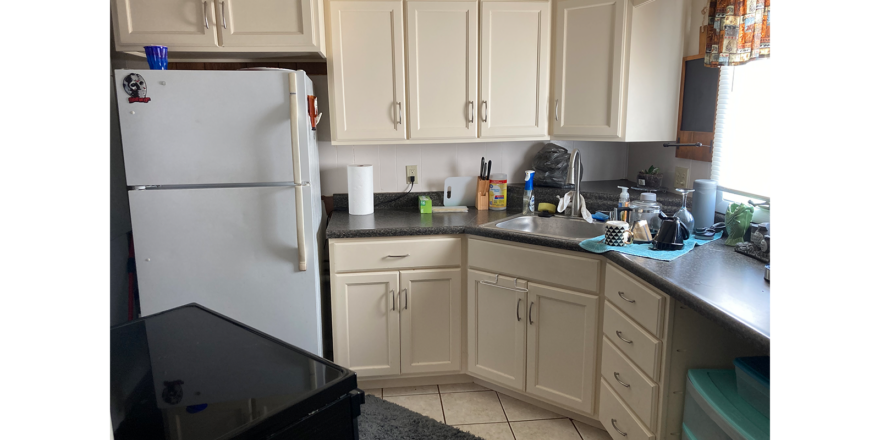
597,245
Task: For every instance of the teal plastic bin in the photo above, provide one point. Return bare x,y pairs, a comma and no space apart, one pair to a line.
713,410
753,381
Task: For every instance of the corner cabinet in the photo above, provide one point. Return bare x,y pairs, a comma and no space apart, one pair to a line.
239,28
616,73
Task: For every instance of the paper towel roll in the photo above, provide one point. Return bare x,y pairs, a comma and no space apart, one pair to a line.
360,189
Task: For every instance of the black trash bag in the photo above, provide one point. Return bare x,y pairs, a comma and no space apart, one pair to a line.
551,166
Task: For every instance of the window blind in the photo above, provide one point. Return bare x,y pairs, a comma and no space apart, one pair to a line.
740,160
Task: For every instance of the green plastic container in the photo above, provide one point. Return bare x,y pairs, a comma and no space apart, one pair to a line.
714,410
426,206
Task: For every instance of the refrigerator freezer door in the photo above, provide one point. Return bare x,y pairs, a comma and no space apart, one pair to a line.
204,127
232,250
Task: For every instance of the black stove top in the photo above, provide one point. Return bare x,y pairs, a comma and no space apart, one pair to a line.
190,373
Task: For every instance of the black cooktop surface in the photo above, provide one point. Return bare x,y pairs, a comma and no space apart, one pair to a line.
190,373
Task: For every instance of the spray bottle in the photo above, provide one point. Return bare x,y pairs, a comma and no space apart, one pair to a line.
528,198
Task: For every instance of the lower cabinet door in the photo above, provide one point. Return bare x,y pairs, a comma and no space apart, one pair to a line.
430,320
366,322
496,329
561,347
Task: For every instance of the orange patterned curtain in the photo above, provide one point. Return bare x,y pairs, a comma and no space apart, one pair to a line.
739,31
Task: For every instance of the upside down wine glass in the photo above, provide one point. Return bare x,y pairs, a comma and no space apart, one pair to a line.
683,215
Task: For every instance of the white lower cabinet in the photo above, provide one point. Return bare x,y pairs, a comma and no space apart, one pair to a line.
430,320
496,329
366,322
561,346
388,323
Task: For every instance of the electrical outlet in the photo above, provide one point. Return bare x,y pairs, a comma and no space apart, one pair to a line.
681,177
412,170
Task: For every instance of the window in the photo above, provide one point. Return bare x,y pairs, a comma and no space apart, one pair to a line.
740,160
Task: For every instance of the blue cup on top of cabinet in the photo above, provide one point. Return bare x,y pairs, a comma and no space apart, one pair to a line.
157,57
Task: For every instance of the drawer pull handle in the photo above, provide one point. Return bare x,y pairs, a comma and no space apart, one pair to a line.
393,307
626,299
397,256
530,312
614,424
518,301
515,287
619,335
617,378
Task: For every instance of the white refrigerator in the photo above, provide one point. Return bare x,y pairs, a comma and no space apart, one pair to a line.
225,196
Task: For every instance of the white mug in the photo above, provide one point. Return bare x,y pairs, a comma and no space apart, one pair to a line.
617,233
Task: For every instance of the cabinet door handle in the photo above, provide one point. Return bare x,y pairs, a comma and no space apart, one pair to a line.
399,117
223,13
625,298
397,256
557,110
205,12
393,307
530,312
617,378
614,424
471,105
518,300
622,338
485,111
406,299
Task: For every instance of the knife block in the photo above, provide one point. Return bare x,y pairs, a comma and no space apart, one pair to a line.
482,201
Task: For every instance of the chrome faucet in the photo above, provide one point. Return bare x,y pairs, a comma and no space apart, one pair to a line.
575,172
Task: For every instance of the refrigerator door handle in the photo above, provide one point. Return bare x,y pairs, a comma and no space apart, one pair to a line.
297,173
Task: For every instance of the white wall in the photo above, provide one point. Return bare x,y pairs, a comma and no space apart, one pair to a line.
436,162
642,155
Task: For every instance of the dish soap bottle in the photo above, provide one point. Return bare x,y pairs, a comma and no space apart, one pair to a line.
623,202
528,198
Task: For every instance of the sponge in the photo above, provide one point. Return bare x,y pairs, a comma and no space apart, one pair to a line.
547,207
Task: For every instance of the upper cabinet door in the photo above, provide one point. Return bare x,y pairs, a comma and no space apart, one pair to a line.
588,65
430,320
254,23
442,58
178,23
367,70
562,346
515,47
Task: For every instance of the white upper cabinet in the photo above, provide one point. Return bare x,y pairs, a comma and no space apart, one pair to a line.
366,68
255,23
442,60
189,24
588,53
188,27
616,70
515,58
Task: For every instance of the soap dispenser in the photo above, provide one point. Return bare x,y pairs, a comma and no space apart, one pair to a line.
623,202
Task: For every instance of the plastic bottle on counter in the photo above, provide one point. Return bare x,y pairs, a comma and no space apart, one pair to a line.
528,198
498,192
623,202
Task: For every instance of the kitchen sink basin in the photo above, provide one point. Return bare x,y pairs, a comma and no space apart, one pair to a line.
561,227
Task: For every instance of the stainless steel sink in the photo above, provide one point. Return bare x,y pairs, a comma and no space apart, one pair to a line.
561,227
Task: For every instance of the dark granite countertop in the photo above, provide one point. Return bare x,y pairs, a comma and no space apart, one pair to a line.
725,286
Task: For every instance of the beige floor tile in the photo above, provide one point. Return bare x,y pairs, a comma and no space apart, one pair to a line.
409,391
517,410
489,431
461,387
468,408
556,429
591,433
424,404
374,391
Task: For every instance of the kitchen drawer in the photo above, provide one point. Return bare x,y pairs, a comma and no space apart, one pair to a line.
618,419
535,265
641,395
395,254
637,301
642,348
